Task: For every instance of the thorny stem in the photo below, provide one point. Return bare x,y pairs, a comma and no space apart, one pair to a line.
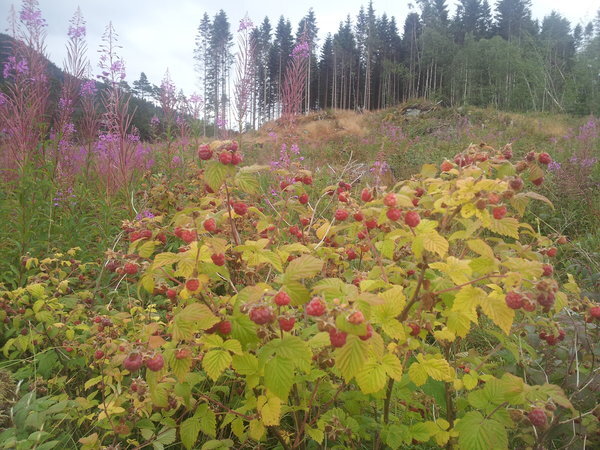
234,232
404,314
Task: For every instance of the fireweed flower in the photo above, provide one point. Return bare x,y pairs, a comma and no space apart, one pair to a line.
554,166
145,214
88,89
245,24
31,15
155,121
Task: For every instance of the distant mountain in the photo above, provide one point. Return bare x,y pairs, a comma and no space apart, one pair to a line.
144,110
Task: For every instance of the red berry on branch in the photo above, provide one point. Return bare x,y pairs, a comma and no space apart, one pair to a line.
261,315
156,363
341,215
514,300
499,212
130,268
218,259
368,334
390,200
337,338
544,158
225,157
204,152
393,214
192,285
412,219
316,307
415,329
286,324
356,318
538,181
282,299
240,208
366,195
537,417
133,362
210,225
303,199
224,327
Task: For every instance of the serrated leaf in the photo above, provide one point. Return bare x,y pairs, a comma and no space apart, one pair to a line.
392,366
215,174
371,377
306,266
188,432
279,376
215,362
146,249
247,182
494,306
507,226
246,364
417,374
269,409
478,433
351,357
435,243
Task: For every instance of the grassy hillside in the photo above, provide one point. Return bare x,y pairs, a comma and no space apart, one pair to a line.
417,133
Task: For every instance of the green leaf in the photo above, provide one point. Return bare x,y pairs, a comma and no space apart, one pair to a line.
305,266
371,377
478,433
215,362
246,364
279,376
188,432
247,182
351,357
216,173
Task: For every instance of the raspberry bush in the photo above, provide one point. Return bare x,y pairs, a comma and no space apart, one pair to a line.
352,315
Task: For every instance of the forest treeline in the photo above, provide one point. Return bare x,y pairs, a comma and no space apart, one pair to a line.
484,55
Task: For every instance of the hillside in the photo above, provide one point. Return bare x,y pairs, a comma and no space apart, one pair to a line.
144,110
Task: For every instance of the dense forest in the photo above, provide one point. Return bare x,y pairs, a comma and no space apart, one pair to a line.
481,55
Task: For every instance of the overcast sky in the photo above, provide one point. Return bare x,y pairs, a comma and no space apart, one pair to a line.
158,34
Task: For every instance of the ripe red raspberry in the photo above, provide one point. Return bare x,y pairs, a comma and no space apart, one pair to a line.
236,158
182,353
233,146
415,329
192,285
499,212
366,195
537,417
316,307
162,238
595,312
368,334
146,234
304,221
356,318
307,180
538,181
551,252
371,223
204,152
351,254
412,219
514,300
134,236
218,259
224,327
546,299
210,225
343,197
516,184
507,153
240,208
528,306
282,298
225,157
393,214
133,362
415,201
337,338
548,270
130,268
303,199
261,315
530,156
286,324
362,234
283,184
390,200
341,215
419,192
410,272
98,354
171,294
446,166
293,230
359,216
544,158
188,236
156,363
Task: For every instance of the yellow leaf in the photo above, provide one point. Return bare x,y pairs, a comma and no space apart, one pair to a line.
494,306
435,243
444,335
270,410
417,374
480,247
459,322
467,299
